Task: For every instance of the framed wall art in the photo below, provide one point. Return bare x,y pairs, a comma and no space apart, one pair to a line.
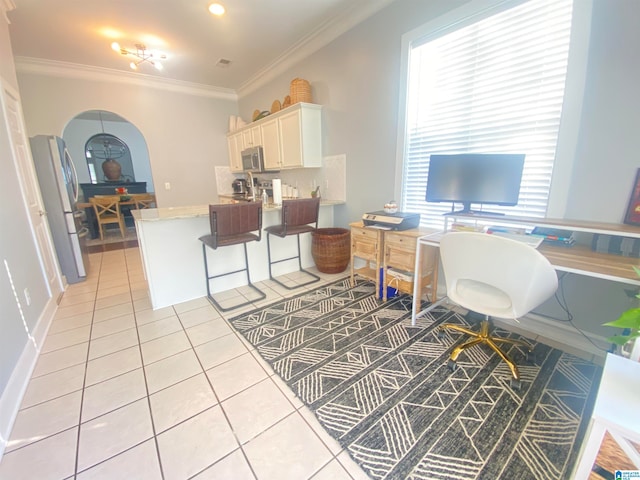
633,209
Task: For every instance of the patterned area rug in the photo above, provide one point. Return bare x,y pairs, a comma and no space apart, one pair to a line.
381,387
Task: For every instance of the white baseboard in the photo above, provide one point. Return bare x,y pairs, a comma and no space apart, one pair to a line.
557,332
11,398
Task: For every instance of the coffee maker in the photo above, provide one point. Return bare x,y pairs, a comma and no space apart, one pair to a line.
239,186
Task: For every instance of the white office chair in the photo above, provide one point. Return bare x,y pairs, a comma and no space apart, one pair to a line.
496,277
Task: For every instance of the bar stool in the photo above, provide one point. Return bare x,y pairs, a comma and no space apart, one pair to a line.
297,215
232,224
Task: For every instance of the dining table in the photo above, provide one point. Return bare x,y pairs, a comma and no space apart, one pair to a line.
126,204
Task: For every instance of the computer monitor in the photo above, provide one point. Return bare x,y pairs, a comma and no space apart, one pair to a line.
475,178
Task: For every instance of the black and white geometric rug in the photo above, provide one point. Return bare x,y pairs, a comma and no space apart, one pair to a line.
382,388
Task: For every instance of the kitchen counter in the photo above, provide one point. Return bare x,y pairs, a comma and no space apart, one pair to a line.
168,213
172,254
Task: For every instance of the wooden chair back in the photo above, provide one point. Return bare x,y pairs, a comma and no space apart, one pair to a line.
143,200
107,209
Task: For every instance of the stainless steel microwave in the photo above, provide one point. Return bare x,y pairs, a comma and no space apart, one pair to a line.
253,159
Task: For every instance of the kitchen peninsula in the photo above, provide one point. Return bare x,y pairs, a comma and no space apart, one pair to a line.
172,254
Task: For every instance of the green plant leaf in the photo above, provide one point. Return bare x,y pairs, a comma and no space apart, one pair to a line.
622,339
628,319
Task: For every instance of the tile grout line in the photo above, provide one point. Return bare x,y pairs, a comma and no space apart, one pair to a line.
84,379
146,383
219,402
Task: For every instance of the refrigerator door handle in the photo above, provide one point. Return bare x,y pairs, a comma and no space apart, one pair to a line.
84,231
74,180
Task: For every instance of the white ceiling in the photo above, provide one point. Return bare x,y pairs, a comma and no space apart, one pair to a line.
258,36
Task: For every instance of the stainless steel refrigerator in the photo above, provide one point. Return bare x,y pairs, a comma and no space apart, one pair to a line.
59,187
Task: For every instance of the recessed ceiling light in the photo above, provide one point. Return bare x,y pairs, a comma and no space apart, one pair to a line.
216,9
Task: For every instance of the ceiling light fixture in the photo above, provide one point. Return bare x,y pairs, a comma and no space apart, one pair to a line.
216,9
142,55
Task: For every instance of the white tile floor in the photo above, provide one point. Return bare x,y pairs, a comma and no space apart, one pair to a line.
121,391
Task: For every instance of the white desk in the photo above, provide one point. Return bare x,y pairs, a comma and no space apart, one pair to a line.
578,259
617,410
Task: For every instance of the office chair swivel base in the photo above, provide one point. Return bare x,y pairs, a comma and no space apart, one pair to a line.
314,278
483,336
261,294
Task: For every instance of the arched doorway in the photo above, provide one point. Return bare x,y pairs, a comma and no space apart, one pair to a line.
100,125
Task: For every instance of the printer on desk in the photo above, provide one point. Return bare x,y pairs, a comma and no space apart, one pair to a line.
391,221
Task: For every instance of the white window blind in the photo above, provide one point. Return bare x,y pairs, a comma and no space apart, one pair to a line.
495,86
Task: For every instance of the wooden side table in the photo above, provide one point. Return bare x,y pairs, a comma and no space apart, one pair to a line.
393,249
366,243
400,256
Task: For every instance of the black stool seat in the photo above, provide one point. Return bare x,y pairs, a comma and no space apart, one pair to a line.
298,216
233,224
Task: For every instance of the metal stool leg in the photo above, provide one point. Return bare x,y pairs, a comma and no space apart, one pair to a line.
262,295
315,278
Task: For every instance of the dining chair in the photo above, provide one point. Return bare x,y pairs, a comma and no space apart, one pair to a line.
495,277
143,200
107,210
232,224
298,217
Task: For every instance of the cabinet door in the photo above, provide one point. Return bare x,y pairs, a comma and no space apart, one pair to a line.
290,133
251,137
235,148
271,145
256,136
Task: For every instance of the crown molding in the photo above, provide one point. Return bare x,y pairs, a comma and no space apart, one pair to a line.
324,34
38,66
314,41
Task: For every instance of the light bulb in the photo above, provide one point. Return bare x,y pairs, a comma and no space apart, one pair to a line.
116,46
158,65
216,9
133,66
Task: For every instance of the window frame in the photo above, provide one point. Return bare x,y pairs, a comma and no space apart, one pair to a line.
569,129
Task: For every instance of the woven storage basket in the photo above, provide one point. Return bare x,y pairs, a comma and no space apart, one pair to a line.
300,91
331,249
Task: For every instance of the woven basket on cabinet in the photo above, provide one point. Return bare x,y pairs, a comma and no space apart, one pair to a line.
300,91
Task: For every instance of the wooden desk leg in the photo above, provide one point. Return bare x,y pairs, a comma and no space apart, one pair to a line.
384,281
417,274
377,275
353,284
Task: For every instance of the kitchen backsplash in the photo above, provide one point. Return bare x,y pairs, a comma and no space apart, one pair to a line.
331,178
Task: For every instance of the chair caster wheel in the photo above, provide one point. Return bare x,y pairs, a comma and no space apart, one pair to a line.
515,384
452,365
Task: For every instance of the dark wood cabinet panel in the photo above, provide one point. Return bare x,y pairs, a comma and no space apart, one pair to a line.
109,188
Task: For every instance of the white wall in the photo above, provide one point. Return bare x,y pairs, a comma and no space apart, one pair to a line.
607,157
19,264
185,132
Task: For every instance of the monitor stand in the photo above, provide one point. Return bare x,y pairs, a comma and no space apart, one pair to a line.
466,210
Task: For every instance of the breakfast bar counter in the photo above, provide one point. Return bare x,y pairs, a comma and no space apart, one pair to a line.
172,254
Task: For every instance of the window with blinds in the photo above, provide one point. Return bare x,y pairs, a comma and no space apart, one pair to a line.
495,86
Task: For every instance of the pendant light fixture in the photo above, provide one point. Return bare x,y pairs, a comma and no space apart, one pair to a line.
141,55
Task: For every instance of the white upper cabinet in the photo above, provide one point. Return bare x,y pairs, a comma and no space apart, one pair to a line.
271,145
291,138
234,141
251,136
